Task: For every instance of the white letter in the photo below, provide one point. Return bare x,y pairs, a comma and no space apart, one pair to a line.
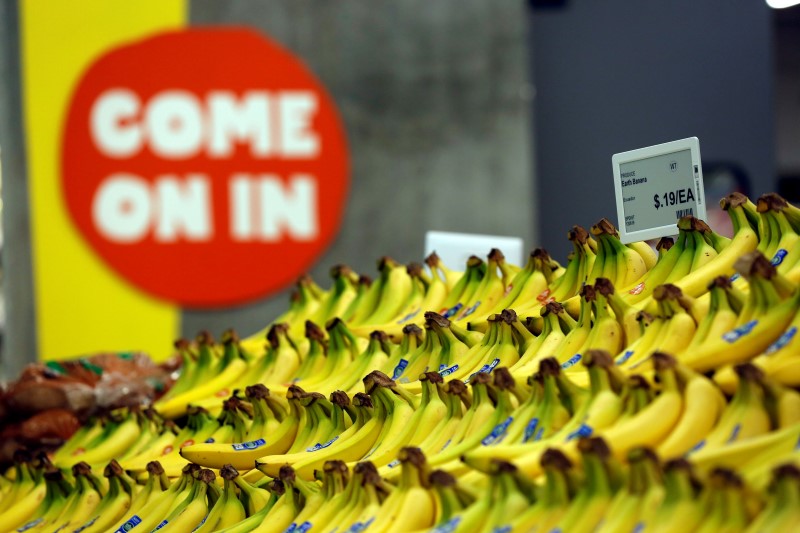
245,120
174,124
294,209
183,208
296,110
240,190
110,135
121,208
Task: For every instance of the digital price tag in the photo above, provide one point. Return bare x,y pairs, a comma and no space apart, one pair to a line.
656,186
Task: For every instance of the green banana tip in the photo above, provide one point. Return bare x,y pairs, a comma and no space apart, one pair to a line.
663,361
786,471
722,477
206,475
363,400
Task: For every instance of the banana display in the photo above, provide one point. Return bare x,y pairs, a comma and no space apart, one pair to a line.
627,390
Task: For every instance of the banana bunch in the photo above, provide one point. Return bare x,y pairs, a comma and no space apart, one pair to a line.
500,398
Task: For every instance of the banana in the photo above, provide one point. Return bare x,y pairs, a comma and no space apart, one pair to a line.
42,506
746,341
721,316
544,344
396,287
191,512
624,313
745,240
351,445
703,406
681,499
669,264
451,500
119,433
281,361
411,505
509,494
229,369
115,502
745,417
157,482
606,333
568,351
727,505
450,277
30,499
648,254
228,510
592,500
322,505
555,497
642,495
653,423
490,291
83,502
342,293
529,284
781,510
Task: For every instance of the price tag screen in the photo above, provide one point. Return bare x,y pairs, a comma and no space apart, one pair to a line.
656,186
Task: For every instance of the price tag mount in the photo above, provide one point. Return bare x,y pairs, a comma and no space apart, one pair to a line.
657,185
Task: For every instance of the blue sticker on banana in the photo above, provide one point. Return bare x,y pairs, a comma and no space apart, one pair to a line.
398,370
447,527
782,341
624,357
530,429
134,521
448,371
779,256
319,446
452,311
249,445
736,334
572,361
471,310
498,431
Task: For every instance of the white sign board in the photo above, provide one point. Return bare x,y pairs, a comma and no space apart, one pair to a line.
455,248
657,185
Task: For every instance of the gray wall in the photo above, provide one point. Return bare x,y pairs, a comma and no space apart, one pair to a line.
616,75
435,99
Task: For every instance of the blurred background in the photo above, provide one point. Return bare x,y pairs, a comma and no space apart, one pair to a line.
471,116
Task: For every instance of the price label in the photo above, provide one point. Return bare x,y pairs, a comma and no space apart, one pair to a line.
656,186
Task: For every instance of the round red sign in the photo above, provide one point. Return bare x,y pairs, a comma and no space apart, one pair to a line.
207,166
